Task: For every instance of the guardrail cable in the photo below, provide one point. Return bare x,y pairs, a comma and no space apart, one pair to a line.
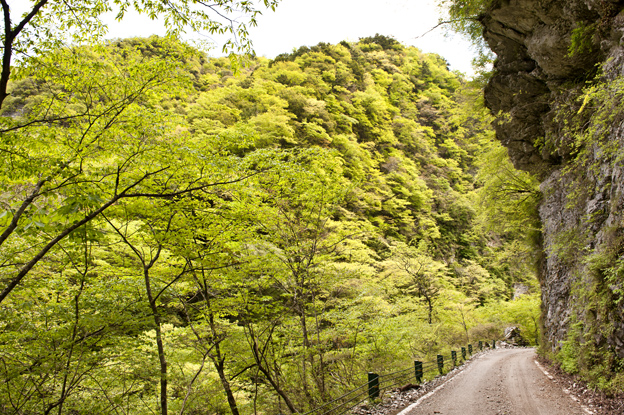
394,378
392,385
390,380
365,394
351,407
339,398
398,371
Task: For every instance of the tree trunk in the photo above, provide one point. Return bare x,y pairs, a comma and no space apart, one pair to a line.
320,373
219,363
219,360
429,309
306,346
259,357
277,389
159,343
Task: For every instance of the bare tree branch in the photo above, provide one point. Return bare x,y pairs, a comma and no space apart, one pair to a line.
445,22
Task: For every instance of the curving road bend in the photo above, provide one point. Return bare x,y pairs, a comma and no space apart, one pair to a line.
502,382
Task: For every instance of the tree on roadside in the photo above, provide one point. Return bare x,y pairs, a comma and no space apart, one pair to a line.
416,273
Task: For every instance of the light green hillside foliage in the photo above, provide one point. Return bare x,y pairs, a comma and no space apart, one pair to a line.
267,237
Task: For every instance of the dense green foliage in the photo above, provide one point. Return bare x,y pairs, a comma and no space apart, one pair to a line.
183,239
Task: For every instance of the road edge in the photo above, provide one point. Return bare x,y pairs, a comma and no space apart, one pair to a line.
565,390
458,371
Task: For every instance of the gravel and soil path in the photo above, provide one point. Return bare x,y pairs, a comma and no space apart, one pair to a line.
505,381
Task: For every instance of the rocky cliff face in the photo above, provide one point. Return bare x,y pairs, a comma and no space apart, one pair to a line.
583,203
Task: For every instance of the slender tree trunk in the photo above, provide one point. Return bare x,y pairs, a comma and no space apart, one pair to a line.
260,358
304,341
355,342
464,325
217,358
429,309
73,342
320,373
65,388
159,343
70,353
151,298
219,361
276,387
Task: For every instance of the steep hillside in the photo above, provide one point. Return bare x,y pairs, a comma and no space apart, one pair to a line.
181,237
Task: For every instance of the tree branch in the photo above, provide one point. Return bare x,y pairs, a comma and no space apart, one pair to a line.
9,37
476,19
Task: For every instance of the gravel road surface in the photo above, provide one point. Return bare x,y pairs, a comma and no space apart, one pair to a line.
505,381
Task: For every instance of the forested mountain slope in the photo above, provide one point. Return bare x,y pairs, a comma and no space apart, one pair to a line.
181,237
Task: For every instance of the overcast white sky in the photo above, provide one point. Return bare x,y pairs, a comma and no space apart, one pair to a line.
307,22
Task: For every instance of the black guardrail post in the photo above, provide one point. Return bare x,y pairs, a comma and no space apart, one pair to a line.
470,349
373,385
480,345
463,353
441,364
418,370
454,357
493,344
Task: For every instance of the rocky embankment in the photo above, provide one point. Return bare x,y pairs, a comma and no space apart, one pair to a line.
547,51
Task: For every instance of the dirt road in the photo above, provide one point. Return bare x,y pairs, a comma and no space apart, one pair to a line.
505,381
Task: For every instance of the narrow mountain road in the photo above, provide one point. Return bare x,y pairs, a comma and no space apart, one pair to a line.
503,382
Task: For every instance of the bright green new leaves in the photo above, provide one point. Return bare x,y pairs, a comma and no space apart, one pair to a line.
90,138
463,17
